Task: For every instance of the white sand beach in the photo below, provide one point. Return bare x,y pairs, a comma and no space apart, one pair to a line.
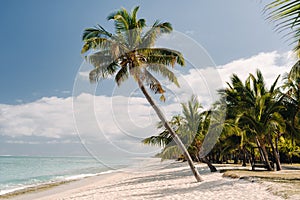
155,180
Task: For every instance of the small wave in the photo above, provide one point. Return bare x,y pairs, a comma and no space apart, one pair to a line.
7,191
55,181
81,176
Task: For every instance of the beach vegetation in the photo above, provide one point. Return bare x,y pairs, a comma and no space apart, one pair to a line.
258,118
261,123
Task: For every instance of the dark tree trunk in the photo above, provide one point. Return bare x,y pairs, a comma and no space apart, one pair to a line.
275,154
244,157
171,131
211,167
266,156
236,157
264,153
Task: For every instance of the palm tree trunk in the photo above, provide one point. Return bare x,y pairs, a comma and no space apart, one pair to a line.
171,131
211,167
264,152
275,154
244,157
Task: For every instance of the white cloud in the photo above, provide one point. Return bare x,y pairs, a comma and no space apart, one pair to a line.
48,117
118,120
270,64
97,117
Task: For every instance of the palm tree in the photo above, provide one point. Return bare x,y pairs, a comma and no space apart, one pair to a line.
291,100
256,110
130,52
164,139
235,138
286,15
191,127
203,129
189,130
195,129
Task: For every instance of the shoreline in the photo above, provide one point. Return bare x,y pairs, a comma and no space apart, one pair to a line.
56,184
152,179
30,189
50,184
64,188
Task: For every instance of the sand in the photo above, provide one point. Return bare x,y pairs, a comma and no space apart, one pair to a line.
152,179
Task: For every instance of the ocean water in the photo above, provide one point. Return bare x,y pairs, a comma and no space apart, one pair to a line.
20,172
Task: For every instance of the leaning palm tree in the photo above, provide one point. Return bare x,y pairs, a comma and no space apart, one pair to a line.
130,51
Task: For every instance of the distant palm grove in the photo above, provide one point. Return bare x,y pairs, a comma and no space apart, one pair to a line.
262,124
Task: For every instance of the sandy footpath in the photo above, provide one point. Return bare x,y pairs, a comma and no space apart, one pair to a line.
152,179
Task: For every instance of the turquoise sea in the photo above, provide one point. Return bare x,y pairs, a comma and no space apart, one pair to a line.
20,172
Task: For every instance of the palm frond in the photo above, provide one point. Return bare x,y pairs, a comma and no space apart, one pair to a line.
141,23
250,121
121,19
286,15
100,58
164,71
103,72
163,56
295,71
95,32
236,83
122,75
162,139
277,123
154,84
273,86
157,29
95,43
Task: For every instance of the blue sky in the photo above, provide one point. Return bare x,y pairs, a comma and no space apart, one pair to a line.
40,57
41,40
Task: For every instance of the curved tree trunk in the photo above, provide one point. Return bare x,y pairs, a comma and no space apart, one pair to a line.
171,131
211,167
